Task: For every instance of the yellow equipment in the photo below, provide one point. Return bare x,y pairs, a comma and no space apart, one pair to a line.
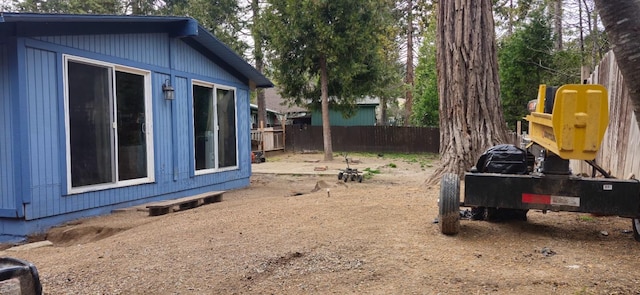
574,128
508,181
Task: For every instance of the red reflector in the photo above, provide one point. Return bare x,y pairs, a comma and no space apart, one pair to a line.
536,199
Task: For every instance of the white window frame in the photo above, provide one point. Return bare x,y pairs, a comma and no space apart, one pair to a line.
214,88
148,100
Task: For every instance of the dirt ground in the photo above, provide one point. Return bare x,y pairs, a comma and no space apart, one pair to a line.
376,237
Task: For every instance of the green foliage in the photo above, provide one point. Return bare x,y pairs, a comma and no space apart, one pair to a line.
220,17
586,218
424,159
70,6
426,102
372,171
392,165
525,59
347,34
369,173
566,64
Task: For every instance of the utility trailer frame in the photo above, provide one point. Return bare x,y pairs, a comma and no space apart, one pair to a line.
565,123
605,196
491,191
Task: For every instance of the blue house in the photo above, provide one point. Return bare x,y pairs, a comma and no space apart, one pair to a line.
101,112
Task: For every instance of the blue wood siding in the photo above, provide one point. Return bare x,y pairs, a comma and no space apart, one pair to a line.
244,136
36,133
151,49
172,132
365,116
43,130
7,180
189,60
184,156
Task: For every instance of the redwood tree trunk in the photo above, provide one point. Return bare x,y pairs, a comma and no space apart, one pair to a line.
621,22
326,126
471,117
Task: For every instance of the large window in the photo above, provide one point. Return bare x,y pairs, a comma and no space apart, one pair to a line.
108,120
214,112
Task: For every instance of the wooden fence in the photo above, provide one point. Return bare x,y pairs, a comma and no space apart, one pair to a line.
267,139
619,152
365,139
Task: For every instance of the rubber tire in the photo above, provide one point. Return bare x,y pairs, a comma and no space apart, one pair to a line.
360,178
353,177
346,178
636,228
449,204
340,174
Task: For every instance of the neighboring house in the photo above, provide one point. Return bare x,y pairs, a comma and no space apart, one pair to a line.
365,115
294,115
101,112
274,118
271,136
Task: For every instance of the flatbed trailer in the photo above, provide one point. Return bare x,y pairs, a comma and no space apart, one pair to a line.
567,124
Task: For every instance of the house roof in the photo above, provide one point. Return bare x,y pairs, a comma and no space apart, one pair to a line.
368,100
255,107
186,28
274,101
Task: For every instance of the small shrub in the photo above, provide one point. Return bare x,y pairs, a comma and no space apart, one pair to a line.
367,175
586,218
372,171
392,165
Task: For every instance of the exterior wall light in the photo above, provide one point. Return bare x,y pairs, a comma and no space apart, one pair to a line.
168,90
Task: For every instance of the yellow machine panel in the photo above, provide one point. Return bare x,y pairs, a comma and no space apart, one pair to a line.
575,127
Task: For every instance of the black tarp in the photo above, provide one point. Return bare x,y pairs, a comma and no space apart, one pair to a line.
504,158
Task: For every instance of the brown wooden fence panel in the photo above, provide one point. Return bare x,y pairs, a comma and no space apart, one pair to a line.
365,139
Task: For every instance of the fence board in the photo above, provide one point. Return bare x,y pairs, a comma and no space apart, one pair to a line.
618,153
365,139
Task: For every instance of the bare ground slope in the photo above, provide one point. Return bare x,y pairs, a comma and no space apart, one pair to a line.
375,237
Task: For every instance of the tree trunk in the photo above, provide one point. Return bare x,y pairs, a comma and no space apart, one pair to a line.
326,126
383,111
557,19
592,35
581,29
408,105
621,22
511,12
258,55
471,117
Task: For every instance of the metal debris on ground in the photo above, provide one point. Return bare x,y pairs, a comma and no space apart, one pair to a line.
466,214
546,252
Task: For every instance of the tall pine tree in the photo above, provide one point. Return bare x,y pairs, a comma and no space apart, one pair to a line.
326,52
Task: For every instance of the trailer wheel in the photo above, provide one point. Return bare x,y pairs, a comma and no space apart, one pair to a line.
360,178
346,178
636,228
340,174
449,204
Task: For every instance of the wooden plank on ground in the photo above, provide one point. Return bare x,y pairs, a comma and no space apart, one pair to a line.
168,206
